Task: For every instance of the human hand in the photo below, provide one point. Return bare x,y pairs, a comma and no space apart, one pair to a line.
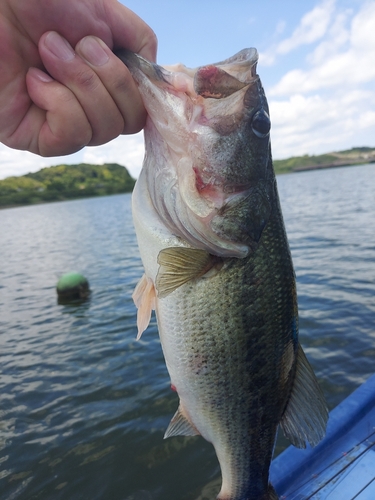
55,100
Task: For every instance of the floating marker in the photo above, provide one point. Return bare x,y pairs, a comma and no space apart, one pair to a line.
72,286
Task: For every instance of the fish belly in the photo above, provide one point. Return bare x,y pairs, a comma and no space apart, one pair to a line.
225,339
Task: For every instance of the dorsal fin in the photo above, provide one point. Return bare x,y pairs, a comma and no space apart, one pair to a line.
180,425
306,414
144,299
178,265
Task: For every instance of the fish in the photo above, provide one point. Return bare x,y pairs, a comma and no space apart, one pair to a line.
218,269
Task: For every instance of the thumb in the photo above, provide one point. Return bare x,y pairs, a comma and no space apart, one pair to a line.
130,31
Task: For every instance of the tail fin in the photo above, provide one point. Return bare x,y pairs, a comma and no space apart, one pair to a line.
306,415
271,493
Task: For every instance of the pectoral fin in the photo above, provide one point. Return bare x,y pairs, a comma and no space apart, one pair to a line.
180,425
178,265
144,299
306,415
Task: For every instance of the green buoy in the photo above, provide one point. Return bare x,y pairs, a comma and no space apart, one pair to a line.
72,286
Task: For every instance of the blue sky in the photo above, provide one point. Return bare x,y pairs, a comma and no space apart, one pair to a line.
317,65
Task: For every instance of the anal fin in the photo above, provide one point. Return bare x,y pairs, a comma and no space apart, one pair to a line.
180,425
306,414
144,299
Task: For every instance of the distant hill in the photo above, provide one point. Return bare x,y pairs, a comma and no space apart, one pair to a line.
65,182
354,156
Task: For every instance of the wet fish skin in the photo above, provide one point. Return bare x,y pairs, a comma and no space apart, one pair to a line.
218,269
230,369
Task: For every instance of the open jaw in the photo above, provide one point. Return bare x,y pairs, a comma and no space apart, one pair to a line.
197,119
216,80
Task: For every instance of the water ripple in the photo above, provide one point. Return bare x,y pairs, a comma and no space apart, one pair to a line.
83,406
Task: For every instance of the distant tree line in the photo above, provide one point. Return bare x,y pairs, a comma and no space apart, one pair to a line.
65,182
354,156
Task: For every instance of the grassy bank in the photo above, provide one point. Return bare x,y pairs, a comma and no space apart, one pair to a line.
65,182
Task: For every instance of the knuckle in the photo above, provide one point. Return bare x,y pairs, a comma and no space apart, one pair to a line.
77,131
69,129
109,132
122,84
82,137
63,143
87,80
136,124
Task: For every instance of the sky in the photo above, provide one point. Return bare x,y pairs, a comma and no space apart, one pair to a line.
316,63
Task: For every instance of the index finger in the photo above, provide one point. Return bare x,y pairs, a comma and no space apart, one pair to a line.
131,32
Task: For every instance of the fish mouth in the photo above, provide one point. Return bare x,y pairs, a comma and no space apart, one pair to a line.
215,81
196,118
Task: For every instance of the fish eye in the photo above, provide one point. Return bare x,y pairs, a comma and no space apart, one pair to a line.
261,123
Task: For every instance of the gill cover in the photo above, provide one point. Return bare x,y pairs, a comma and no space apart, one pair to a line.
207,168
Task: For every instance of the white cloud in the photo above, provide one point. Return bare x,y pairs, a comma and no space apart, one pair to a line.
280,28
329,104
317,124
367,120
335,66
313,26
15,162
337,36
127,150
251,20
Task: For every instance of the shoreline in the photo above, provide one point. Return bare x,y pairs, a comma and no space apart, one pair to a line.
305,168
336,164
4,207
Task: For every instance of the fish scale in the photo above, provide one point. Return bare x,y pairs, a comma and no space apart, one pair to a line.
239,351
218,269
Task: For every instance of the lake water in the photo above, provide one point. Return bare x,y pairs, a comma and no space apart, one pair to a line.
83,406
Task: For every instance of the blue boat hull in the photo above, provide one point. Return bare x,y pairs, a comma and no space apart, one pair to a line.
342,466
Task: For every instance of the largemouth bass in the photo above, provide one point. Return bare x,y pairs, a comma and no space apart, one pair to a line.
218,269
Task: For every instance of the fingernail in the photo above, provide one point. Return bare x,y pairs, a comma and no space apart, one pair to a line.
59,46
40,75
93,52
